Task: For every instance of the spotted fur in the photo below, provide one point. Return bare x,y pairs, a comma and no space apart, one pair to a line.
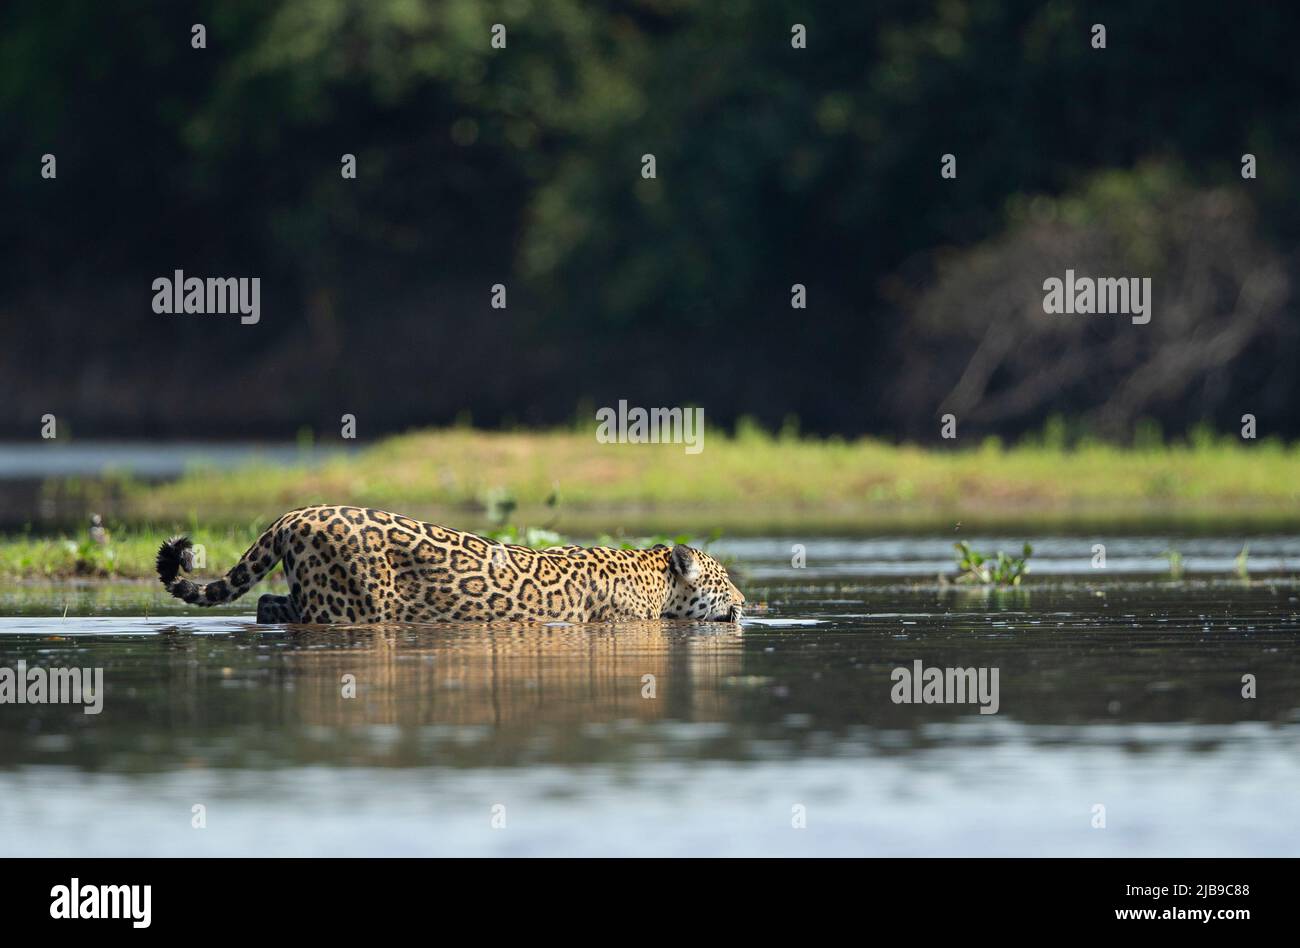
352,564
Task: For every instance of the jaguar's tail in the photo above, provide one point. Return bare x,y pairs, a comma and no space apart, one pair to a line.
260,558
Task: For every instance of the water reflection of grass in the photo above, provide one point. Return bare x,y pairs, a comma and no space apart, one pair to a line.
73,599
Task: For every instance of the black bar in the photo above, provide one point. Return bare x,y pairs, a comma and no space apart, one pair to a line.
335,896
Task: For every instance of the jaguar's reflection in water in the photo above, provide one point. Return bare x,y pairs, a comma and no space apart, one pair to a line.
505,673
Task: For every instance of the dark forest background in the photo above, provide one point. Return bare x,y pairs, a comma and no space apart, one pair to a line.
522,166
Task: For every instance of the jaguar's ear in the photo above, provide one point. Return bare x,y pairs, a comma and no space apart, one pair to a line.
683,562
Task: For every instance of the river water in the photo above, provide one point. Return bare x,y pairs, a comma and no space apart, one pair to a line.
1120,727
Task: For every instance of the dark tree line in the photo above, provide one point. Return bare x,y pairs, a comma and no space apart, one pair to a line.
522,166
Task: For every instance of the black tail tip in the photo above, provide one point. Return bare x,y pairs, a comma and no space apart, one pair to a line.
173,556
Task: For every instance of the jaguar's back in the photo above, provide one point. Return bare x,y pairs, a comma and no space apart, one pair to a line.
353,564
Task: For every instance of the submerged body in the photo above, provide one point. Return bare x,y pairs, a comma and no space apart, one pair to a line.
354,564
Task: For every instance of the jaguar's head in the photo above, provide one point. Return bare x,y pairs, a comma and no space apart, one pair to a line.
699,588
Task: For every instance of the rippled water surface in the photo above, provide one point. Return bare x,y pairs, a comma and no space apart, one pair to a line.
1116,688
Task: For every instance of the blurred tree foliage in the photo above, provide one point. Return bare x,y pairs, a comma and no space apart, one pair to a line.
1221,295
522,166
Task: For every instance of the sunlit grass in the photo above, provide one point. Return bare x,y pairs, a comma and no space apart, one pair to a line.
461,468
548,485
127,554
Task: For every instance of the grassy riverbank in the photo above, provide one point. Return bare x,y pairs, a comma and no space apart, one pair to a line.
127,554
752,482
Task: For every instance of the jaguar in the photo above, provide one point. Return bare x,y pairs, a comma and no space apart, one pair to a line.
361,565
